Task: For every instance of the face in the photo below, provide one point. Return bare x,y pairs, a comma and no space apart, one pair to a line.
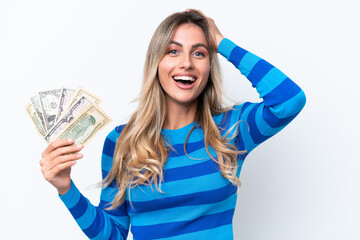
184,70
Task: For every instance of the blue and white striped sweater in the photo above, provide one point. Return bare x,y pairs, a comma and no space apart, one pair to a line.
197,203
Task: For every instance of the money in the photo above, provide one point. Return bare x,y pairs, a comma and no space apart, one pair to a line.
82,92
50,103
64,112
86,125
65,97
30,109
35,100
66,118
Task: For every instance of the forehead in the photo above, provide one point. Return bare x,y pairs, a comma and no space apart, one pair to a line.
189,33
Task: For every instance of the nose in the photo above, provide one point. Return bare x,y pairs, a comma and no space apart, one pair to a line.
186,61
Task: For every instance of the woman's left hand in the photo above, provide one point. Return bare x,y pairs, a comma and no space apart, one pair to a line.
214,31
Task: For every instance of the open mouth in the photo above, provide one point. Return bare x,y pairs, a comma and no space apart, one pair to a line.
186,80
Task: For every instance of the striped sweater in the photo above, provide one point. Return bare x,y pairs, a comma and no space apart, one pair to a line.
197,203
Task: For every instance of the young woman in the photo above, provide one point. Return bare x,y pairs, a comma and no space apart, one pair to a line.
172,172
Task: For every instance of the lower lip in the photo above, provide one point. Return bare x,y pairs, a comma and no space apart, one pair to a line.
184,86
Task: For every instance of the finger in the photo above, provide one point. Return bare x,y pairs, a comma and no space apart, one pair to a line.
56,144
60,151
200,12
65,151
61,160
51,175
196,10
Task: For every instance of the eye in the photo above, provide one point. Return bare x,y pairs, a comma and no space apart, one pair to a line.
173,52
199,54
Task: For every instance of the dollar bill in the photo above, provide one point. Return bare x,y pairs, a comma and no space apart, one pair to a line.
65,97
67,117
30,109
82,92
86,125
50,104
35,100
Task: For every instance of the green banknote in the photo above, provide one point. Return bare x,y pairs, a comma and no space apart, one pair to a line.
86,125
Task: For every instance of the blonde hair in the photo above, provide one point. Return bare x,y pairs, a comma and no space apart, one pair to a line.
140,151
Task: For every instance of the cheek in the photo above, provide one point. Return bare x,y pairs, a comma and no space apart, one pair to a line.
164,70
163,74
166,65
205,71
206,74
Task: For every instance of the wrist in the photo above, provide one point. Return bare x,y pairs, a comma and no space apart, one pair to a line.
63,191
218,41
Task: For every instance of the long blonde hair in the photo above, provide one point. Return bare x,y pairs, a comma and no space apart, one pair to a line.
140,151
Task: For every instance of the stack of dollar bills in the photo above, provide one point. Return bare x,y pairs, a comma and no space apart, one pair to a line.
66,113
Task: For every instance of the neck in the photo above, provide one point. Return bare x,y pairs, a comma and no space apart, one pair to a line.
179,115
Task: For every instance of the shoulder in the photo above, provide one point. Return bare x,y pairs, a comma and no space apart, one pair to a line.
109,148
115,133
231,115
110,140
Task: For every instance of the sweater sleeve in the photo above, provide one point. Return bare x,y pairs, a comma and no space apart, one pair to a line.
98,222
282,99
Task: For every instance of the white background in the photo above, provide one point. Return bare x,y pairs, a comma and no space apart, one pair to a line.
301,184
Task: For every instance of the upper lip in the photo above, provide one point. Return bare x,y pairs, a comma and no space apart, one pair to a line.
185,75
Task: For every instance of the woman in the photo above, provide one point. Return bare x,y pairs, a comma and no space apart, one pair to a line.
172,171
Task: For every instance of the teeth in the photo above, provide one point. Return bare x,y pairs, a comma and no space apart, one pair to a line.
184,78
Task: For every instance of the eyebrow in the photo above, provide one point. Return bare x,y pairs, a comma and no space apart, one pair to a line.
193,46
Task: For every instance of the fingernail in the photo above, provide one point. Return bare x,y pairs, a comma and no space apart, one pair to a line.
78,146
70,140
79,155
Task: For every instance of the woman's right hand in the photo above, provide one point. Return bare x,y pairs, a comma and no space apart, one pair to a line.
214,30
56,163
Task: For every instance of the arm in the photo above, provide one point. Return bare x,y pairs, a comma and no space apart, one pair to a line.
282,98
97,222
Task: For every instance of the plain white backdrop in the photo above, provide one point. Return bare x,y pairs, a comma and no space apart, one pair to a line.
301,184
